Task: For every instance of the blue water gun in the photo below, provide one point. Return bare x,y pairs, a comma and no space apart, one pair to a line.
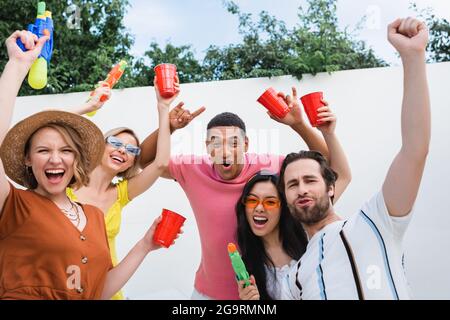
43,26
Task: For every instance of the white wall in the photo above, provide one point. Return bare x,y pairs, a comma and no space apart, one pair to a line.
367,103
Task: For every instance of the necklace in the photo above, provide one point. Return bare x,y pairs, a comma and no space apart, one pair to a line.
72,213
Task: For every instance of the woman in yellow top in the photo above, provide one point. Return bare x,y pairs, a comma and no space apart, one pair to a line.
121,159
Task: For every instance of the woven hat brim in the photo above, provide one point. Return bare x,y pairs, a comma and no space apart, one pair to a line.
12,150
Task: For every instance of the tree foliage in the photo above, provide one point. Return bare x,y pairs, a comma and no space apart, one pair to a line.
439,46
269,48
83,55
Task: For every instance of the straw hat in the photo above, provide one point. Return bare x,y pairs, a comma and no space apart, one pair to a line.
12,151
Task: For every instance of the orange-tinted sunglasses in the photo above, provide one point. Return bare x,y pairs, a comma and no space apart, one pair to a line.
268,203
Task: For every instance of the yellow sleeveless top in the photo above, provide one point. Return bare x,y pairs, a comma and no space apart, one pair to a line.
113,219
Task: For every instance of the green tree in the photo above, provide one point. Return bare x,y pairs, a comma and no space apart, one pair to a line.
270,49
82,56
188,67
439,46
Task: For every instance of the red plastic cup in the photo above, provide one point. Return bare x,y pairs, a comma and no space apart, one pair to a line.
165,75
274,103
168,228
311,102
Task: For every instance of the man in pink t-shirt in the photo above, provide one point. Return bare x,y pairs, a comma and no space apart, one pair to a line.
213,184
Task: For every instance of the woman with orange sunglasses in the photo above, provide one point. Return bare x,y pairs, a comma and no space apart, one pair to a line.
269,238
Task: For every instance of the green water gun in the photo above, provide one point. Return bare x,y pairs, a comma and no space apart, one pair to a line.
238,265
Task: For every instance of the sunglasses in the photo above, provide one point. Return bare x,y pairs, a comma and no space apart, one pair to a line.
268,204
117,143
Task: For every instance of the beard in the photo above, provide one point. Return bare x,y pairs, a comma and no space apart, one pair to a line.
313,214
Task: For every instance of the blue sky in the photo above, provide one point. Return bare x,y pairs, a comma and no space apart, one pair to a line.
205,22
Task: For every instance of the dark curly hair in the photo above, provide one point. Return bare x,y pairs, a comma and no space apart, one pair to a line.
227,119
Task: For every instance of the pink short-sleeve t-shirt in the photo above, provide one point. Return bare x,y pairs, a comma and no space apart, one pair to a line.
213,202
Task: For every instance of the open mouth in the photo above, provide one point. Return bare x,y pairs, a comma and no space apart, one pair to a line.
118,159
55,175
260,221
226,166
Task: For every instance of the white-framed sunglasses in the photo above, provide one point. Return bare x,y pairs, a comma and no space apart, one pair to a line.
117,143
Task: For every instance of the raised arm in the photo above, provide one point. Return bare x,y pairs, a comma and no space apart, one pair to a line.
148,149
400,188
149,174
93,103
179,118
12,77
337,159
295,120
